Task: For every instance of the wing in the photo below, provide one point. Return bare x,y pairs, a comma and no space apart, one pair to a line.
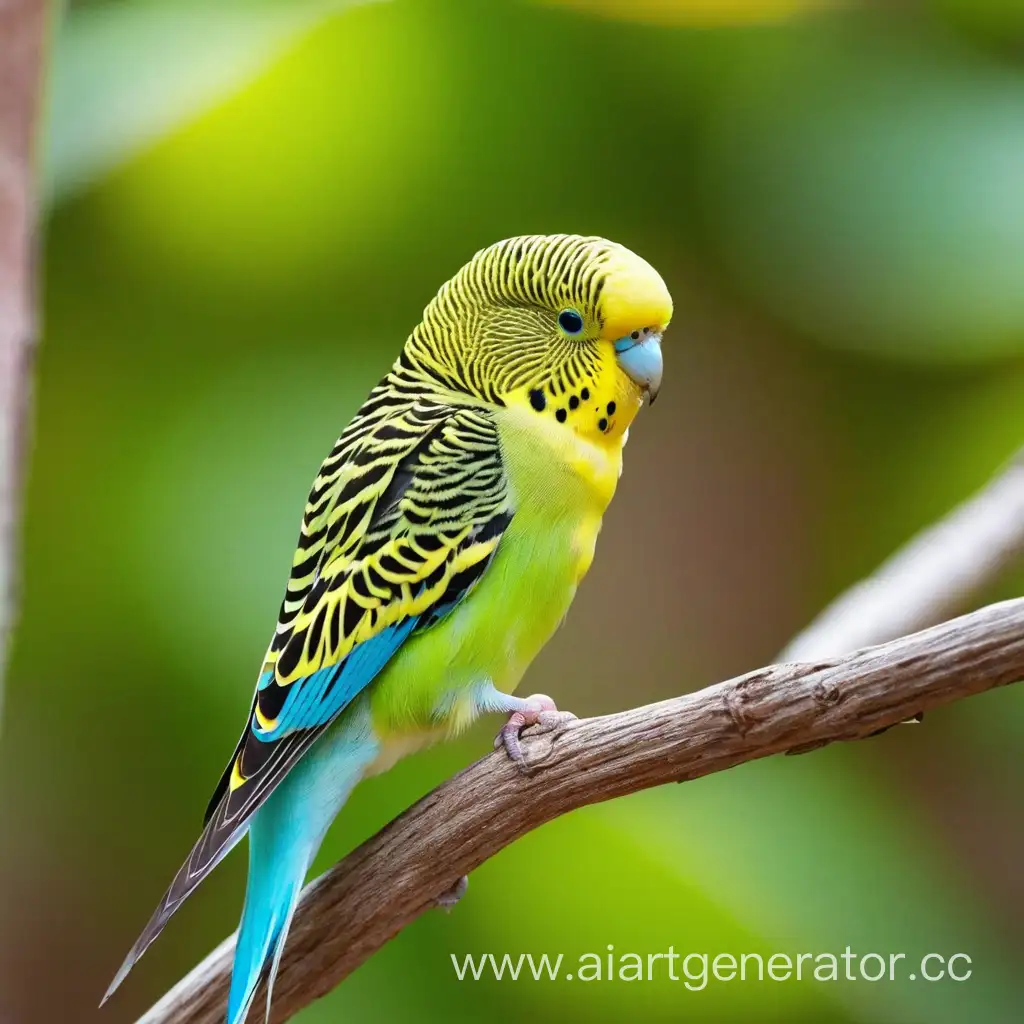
402,521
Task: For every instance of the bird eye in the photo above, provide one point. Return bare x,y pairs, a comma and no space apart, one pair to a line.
570,321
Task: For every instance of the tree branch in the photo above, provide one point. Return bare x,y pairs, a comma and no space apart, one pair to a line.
22,25
934,576
357,906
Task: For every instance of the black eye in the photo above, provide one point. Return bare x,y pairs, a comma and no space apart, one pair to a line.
570,321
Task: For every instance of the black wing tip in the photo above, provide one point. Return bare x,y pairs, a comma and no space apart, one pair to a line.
142,943
185,882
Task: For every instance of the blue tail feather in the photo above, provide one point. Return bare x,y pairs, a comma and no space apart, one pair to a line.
284,836
277,867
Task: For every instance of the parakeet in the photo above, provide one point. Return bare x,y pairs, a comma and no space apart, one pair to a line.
441,546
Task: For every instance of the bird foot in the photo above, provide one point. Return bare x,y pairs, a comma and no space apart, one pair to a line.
540,711
451,896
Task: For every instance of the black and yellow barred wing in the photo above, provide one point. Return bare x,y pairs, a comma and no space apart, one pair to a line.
402,521
395,536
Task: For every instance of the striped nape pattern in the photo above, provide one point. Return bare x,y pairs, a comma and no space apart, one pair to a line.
493,328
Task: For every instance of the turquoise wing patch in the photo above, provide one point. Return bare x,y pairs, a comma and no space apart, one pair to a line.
315,700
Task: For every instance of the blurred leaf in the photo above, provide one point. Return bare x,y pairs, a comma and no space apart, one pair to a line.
126,74
332,141
696,12
863,183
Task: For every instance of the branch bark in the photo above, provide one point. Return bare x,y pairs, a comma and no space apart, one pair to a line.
934,576
351,911
22,27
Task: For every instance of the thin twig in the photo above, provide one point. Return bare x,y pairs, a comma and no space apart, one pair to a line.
935,576
22,25
352,910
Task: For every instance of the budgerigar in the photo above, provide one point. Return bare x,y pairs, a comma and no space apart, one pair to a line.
441,546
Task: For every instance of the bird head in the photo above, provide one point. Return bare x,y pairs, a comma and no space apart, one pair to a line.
567,326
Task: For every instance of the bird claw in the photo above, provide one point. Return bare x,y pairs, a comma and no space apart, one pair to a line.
540,714
452,895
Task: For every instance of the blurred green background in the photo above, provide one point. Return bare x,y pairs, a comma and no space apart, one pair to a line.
248,205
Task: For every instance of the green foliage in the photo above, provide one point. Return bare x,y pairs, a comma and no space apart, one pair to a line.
126,74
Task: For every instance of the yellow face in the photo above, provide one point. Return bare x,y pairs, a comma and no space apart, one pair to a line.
568,327
622,333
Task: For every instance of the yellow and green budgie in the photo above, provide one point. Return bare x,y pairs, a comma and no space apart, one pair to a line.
441,546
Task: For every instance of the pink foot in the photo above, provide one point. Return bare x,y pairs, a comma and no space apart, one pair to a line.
540,710
451,896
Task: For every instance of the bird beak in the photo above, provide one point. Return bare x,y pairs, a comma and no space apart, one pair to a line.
641,359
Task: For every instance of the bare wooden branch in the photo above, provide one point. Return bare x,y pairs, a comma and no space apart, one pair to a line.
352,910
22,24
933,577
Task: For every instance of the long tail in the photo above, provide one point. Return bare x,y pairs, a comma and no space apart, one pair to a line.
284,837
280,853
